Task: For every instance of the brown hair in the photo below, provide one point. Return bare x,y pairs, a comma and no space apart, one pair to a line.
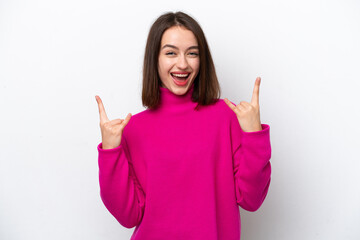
206,86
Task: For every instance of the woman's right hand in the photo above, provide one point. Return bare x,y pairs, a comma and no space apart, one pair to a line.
111,131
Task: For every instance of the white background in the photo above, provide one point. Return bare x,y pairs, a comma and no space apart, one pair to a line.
55,56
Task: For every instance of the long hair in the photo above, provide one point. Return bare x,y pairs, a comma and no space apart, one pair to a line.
206,86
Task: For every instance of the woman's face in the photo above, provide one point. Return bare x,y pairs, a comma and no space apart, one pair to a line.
179,59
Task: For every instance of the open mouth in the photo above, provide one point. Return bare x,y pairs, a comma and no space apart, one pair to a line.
180,79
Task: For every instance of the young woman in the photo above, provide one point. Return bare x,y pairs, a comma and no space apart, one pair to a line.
181,168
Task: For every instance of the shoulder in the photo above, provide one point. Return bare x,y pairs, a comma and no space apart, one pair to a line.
141,115
218,113
137,122
223,109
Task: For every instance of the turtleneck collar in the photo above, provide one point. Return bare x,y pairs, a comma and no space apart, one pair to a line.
170,99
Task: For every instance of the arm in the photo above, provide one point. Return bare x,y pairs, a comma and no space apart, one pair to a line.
119,189
252,167
251,151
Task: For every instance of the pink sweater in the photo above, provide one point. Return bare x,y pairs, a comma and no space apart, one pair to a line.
181,174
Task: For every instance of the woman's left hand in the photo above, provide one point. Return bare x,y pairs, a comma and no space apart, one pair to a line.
248,114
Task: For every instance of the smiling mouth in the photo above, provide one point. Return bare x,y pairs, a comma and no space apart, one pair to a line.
180,77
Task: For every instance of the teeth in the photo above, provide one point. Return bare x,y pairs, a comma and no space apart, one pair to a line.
180,75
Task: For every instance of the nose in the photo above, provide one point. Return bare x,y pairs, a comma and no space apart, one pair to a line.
182,62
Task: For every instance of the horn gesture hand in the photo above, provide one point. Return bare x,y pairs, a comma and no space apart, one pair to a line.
248,114
111,131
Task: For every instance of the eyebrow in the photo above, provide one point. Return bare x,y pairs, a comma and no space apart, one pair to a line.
172,46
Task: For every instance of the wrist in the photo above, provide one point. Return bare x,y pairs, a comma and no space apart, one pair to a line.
253,129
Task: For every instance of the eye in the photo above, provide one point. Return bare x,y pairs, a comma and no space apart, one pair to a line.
194,53
169,53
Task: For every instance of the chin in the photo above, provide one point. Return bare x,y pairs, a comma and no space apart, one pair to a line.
179,90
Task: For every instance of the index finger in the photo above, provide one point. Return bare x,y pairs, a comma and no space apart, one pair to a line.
255,96
103,116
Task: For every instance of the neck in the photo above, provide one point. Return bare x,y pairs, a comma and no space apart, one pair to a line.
169,99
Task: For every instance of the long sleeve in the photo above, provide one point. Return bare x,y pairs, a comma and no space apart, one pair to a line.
252,169
119,189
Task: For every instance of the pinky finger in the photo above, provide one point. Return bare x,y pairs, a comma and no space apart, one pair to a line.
230,104
127,119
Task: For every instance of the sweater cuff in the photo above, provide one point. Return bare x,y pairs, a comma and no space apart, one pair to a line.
110,150
259,138
265,130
